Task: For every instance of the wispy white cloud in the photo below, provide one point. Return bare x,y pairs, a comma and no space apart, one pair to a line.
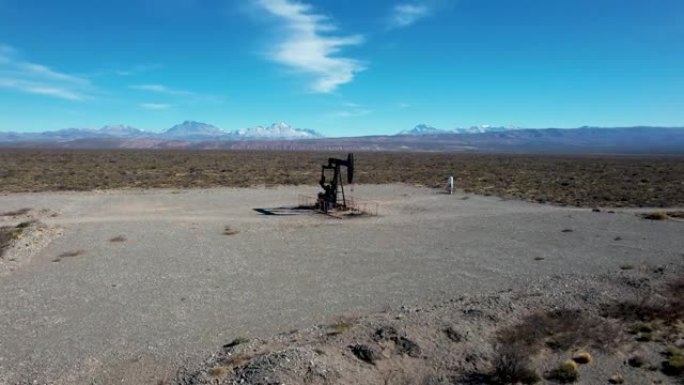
39,79
155,106
40,89
159,88
404,15
351,110
310,47
410,12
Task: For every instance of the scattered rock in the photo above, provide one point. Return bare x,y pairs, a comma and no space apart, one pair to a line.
582,358
407,346
616,379
235,342
385,333
454,335
567,231
365,353
636,361
596,210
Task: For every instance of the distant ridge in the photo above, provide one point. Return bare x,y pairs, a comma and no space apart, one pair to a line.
282,137
193,131
188,130
424,129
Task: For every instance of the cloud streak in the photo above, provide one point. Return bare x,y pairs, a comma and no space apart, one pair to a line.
351,110
409,12
159,88
404,15
310,47
38,79
155,106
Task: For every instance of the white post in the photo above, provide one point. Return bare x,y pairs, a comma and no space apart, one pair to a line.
450,185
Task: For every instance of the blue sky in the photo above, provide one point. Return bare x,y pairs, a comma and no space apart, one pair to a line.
341,67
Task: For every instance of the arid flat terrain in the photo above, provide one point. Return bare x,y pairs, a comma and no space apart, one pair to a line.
126,286
589,181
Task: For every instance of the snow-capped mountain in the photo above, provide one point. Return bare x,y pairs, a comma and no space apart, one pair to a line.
121,131
422,129
186,131
276,131
192,130
481,129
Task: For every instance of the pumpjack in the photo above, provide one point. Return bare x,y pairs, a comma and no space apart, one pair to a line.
333,197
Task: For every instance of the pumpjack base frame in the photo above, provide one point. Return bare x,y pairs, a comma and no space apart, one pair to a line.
354,207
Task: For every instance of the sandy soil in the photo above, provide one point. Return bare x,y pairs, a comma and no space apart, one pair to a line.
83,309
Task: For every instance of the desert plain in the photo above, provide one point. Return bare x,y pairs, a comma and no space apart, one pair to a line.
141,284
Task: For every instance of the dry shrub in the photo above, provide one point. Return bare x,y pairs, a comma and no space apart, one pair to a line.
15,212
26,224
667,306
512,366
8,234
529,177
217,372
559,330
565,373
339,328
675,214
657,216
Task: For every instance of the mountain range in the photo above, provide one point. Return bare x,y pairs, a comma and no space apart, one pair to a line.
188,130
282,137
424,129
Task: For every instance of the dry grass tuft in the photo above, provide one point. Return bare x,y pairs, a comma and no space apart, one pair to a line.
15,212
217,372
512,366
582,358
674,365
676,214
657,216
8,235
339,328
119,238
565,373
